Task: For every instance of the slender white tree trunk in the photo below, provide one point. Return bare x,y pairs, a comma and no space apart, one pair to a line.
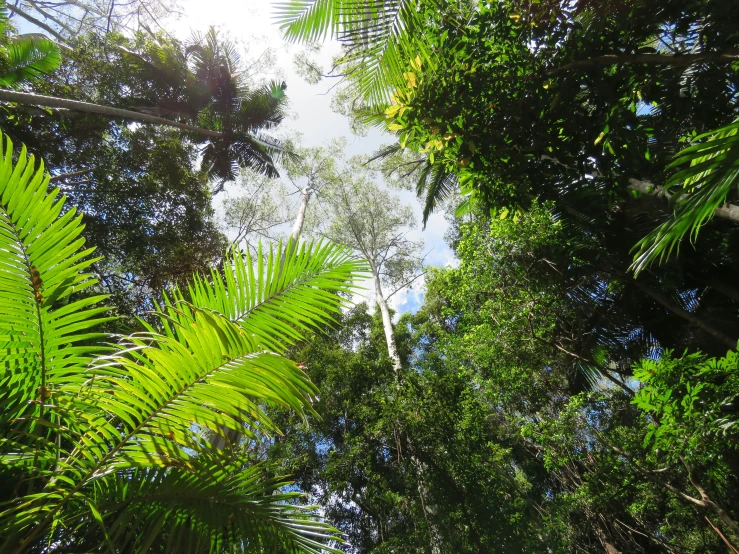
387,323
300,220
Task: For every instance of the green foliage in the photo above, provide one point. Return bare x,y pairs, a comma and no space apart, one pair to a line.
103,445
379,36
693,400
502,432
143,190
45,331
379,439
24,58
524,102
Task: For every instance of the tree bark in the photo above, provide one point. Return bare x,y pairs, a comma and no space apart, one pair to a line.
300,220
387,322
651,59
108,111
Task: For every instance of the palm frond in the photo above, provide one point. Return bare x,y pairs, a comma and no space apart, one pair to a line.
308,20
263,107
216,501
113,452
711,175
309,278
437,184
146,405
28,57
384,152
45,327
380,36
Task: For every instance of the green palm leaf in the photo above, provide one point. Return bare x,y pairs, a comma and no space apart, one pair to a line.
710,176
217,499
294,290
113,451
147,405
436,184
45,328
28,57
380,36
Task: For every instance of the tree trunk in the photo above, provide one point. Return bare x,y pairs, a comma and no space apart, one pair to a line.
418,465
108,111
727,211
387,323
300,220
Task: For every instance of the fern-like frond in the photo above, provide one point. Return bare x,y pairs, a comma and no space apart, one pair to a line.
112,452
45,324
436,184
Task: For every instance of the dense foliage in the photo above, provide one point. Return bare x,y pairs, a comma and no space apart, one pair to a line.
114,446
146,189
503,437
569,383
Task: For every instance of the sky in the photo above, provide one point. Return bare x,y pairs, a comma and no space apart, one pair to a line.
252,25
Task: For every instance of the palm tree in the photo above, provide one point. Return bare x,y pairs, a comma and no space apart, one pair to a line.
209,98
103,446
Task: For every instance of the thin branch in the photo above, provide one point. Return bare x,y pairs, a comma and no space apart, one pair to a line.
62,176
723,537
407,283
40,24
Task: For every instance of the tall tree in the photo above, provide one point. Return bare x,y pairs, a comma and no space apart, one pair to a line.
369,219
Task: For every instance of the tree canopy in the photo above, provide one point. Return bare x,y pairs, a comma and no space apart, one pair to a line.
567,382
